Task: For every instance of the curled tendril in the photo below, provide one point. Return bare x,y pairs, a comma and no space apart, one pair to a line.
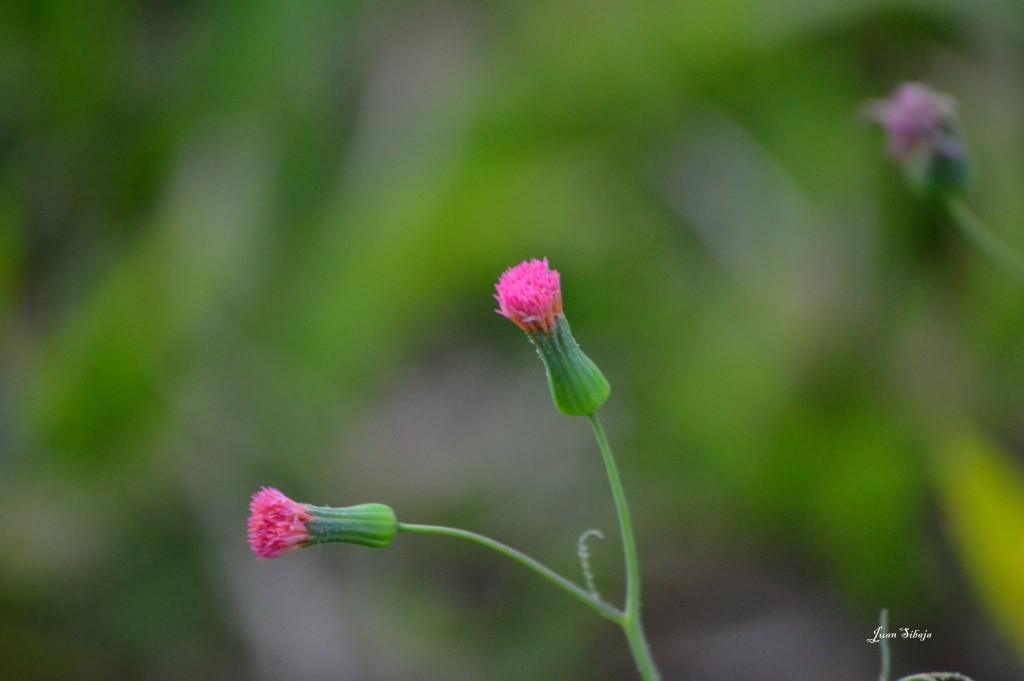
584,554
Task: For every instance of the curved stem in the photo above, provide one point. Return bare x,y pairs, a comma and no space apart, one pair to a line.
631,622
998,252
547,573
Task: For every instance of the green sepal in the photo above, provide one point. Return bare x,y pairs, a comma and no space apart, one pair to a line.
577,386
940,168
937,176
373,525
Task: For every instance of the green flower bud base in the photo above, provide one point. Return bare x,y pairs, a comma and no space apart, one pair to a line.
372,525
577,386
937,176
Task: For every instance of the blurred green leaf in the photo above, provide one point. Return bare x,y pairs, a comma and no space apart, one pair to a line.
104,375
982,494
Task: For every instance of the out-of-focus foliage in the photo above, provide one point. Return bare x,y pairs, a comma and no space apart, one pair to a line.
252,243
983,495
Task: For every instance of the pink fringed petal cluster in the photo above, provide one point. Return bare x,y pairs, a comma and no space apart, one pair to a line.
277,525
530,294
916,118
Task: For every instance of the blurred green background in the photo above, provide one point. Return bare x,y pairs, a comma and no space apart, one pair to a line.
254,243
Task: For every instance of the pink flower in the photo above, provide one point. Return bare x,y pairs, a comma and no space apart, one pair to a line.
917,119
530,295
277,525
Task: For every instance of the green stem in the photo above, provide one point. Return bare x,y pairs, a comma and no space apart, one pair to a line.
883,646
984,241
631,620
547,573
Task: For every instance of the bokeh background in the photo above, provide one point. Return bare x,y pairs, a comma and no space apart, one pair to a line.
249,243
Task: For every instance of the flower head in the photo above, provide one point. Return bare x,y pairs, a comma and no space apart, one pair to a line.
923,137
916,118
277,525
530,295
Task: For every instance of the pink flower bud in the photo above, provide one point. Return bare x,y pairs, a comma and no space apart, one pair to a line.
530,295
924,138
916,118
277,525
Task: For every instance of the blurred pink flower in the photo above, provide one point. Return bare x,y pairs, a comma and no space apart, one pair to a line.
917,119
277,525
530,294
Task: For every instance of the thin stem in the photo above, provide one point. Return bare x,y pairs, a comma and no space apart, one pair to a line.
547,573
998,252
631,622
883,646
